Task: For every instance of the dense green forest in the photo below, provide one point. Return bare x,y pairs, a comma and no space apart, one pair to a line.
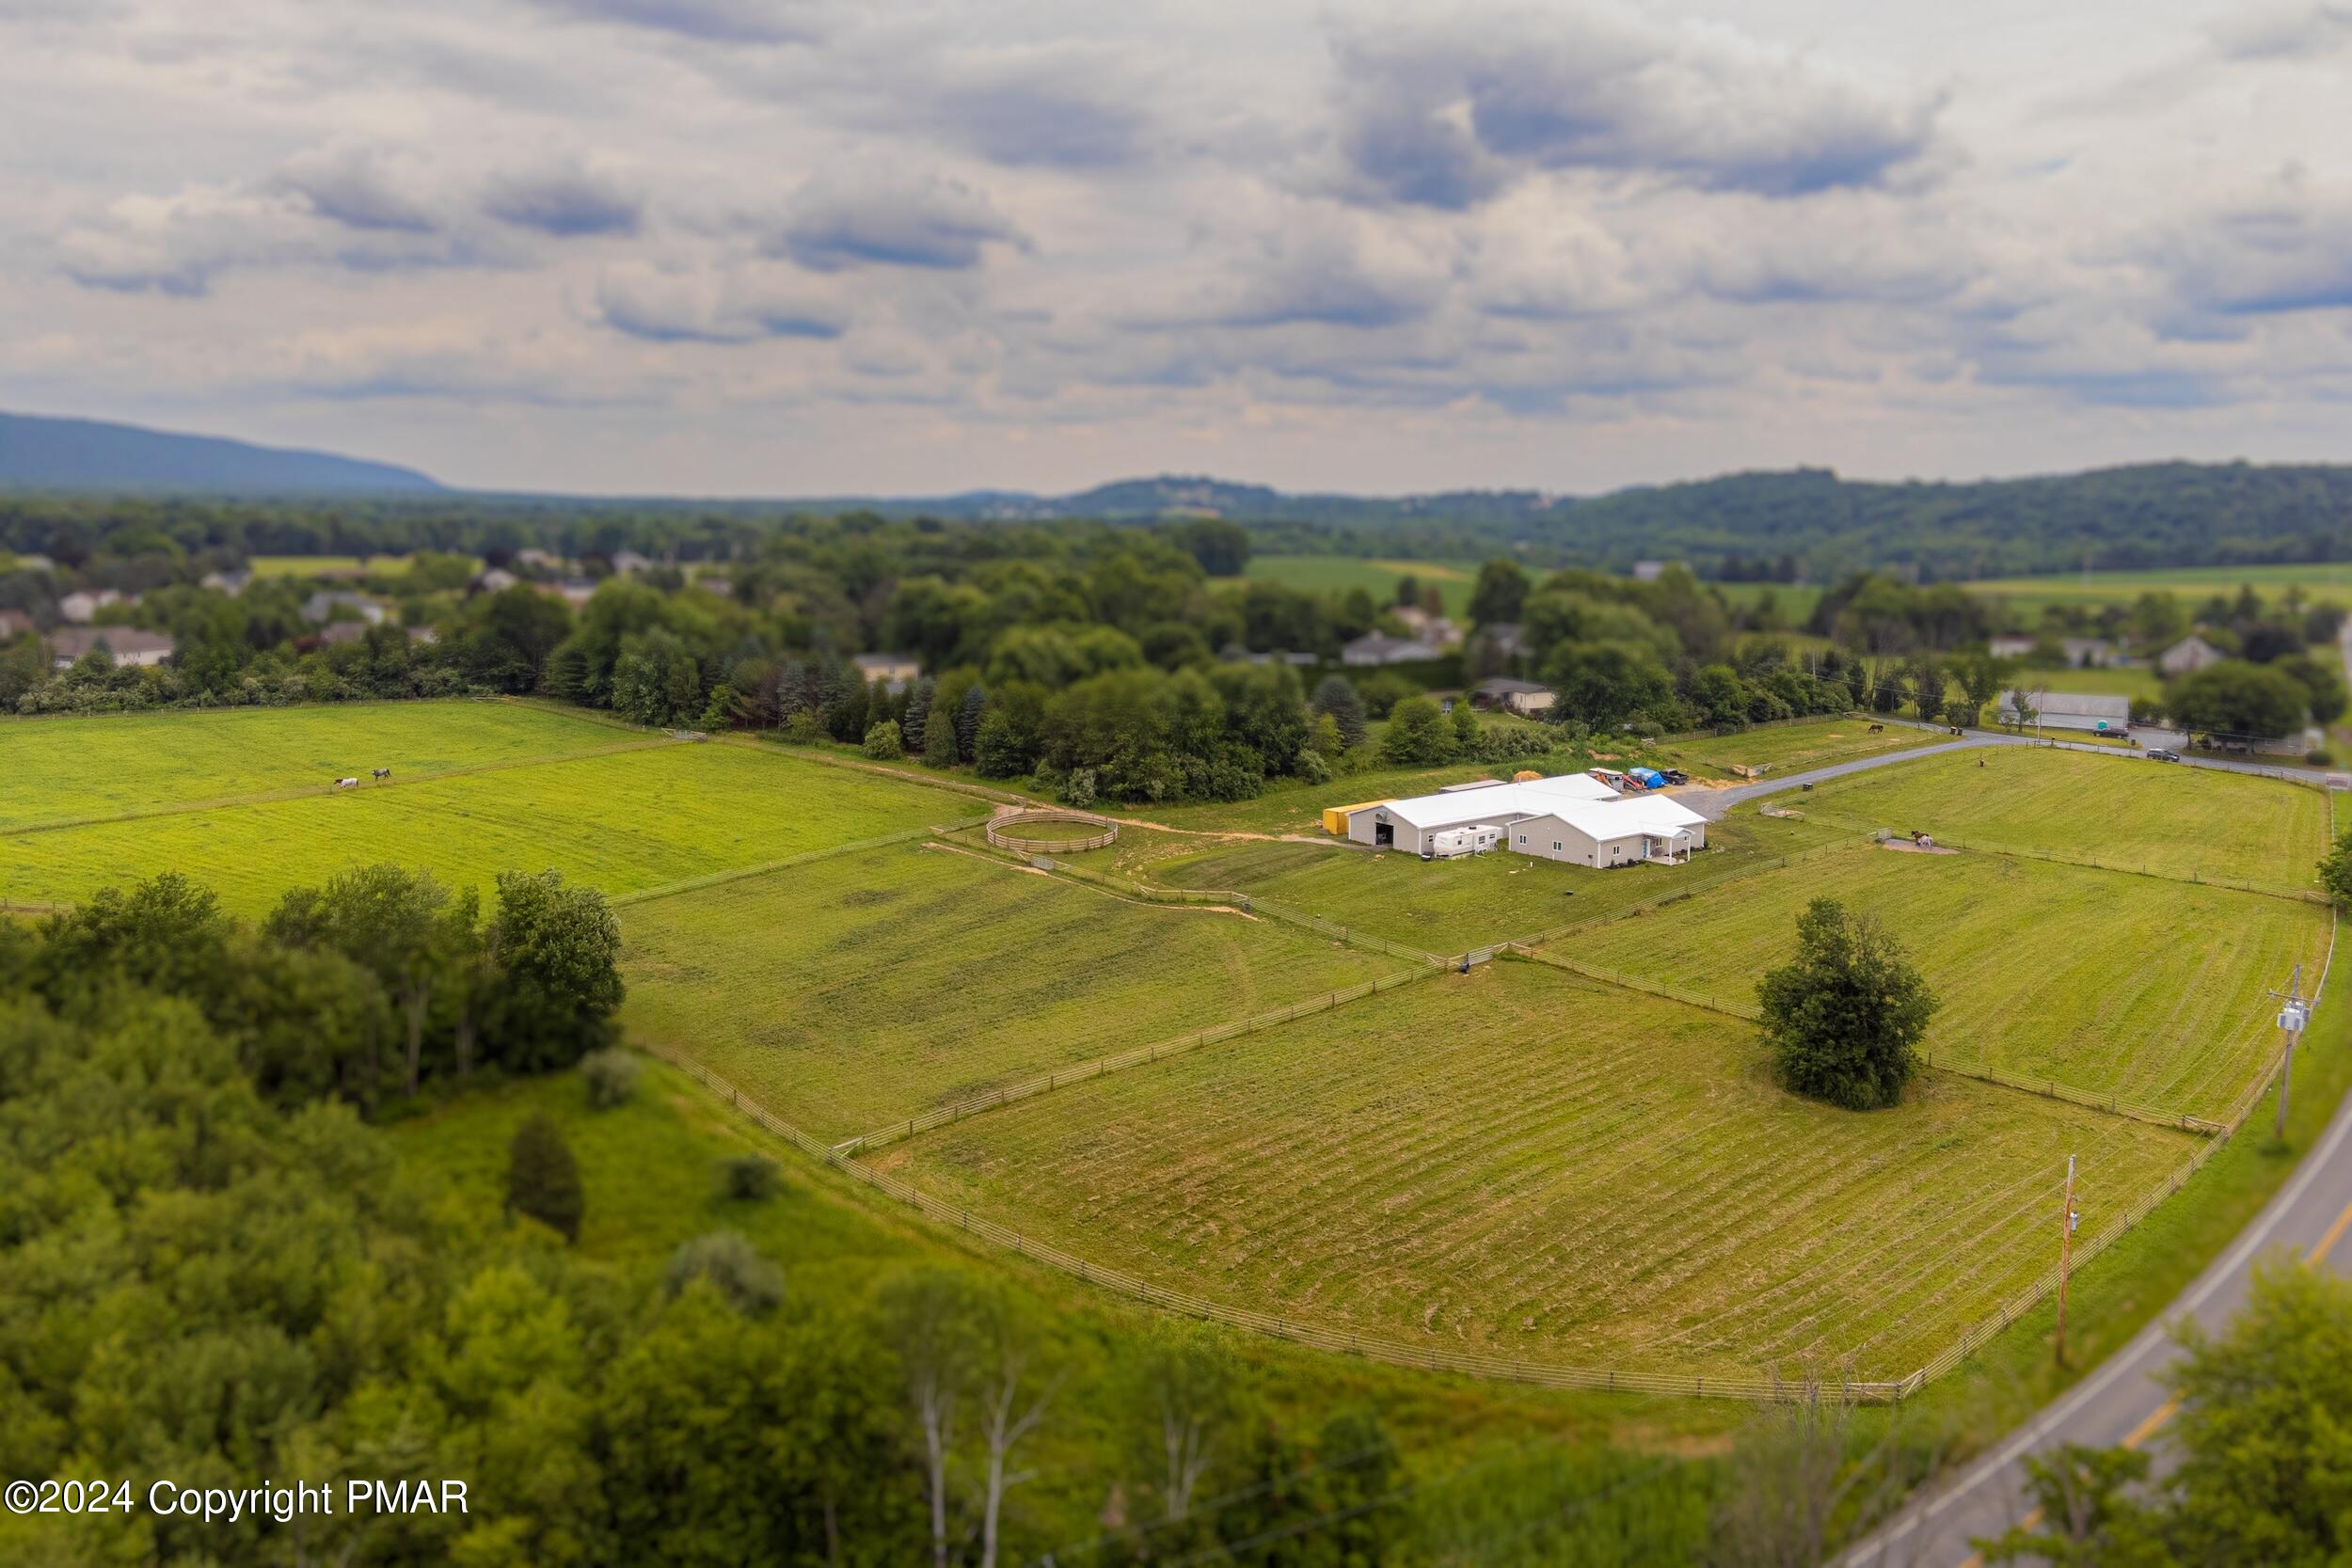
1804,523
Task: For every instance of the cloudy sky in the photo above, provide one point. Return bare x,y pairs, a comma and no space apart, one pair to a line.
800,246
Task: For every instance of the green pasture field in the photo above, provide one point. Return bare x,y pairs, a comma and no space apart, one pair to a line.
2325,583
620,822
853,991
73,769
1337,574
1521,1163
2149,991
1448,906
1791,748
2125,813
310,566
1796,600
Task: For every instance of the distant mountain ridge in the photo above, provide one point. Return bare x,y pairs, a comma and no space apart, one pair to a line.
42,453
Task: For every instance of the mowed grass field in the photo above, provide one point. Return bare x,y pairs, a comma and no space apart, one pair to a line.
2149,992
1337,574
2125,813
1792,747
622,822
851,991
72,769
1447,906
1523,1163
2325,583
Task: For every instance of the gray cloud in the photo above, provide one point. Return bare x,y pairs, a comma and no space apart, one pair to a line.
935,224
711,21
569,202
2283,33
347,186
1448,115
690,309
2280,257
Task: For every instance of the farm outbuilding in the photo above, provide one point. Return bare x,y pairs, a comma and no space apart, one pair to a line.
1411,825
1335,817
1613,832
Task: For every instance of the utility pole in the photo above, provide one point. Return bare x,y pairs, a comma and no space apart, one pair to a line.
2067,1222
2295,1010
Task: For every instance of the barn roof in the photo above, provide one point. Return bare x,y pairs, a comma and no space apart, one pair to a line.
1502,803
1654,814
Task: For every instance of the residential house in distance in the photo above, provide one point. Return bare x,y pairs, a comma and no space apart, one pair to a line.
2080,653
338,632
2189,655
2073,710
14,623
321,606
81,606
1648,571
575,591
123,644
495,579
629,563
1235,653
232,582
1524,698
893,669
1377,647
539,560
1436,630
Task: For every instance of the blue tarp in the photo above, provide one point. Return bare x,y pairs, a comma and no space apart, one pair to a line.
1650,777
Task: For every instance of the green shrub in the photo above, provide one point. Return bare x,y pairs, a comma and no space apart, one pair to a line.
543,1179
883,742
611,1077
750,1177
750,1282
2319,756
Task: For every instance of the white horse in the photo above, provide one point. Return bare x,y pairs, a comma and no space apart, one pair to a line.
347,783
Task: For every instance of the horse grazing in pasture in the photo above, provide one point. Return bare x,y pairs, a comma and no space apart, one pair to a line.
347,783
381,773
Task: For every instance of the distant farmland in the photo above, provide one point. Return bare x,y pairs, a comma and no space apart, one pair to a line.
1521,1163
1328,573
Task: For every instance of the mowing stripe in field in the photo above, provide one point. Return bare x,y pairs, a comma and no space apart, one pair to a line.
1519,1162
857,991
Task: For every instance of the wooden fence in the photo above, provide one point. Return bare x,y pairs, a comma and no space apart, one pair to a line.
1107,832
1142,1055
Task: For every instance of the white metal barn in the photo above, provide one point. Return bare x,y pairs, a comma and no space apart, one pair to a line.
1613,832
1414,825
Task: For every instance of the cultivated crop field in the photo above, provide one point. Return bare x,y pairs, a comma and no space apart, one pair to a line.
1447,906
1793,748
851,991
73,769
1519,1161
2184,822
621,822
2149,992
